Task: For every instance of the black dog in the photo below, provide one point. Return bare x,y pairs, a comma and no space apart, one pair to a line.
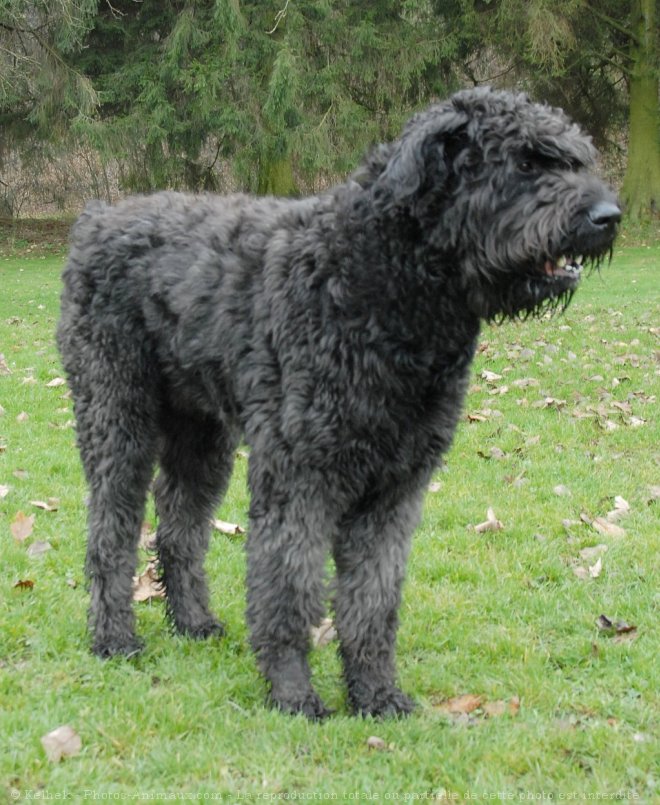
335,333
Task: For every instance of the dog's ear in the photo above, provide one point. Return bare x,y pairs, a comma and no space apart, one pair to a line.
424,154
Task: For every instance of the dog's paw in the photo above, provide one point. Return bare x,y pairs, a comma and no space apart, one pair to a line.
127,647
202,631
311,706
384,702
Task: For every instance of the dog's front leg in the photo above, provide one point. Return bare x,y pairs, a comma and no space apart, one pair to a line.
370,554
286,555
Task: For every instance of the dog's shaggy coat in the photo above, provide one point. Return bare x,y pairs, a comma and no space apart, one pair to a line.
335,334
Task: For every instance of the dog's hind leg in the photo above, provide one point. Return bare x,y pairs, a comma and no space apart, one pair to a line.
117,436
287,542
196,463
370,553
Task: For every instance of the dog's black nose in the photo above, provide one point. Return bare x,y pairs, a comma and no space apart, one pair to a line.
605,213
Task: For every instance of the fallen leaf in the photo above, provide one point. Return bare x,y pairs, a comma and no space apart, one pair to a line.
595,552
595,570
501,707
38,548
621,504
581,572
4,366
62,742
147,537
549,402
51,505
21,526
323,634
4,491
23,584
22,417
148,584
374,742
621,629
434,486
490,377
460,704
22,475
490,524
56,382
228,528
493,709
525,382
606,528
562,491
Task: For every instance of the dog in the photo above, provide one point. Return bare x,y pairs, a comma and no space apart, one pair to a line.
335,335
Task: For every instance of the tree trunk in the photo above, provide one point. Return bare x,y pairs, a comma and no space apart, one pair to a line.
276,177
641,185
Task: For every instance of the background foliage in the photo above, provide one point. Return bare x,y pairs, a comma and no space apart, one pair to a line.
282,96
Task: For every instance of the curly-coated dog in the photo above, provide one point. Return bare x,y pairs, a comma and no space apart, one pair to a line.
335,334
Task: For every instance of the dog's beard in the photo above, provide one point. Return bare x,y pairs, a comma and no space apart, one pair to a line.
547,287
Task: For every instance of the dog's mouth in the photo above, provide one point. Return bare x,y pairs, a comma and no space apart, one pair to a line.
564,267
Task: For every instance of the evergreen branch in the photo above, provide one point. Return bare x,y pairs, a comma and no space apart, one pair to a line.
622,29
281,14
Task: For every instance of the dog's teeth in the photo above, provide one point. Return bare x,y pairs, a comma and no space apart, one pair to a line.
561,262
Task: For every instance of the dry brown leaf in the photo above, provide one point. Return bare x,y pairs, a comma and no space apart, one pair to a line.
562,491
460,704
62,742
22,417
38,548
56,382
4,491
435,486
50,505
501,707
22,475
148,584
147,537
493,709
606,528
581,572
23,584
4,366
621,630
596,569
21,526
324,633
490,524
228,528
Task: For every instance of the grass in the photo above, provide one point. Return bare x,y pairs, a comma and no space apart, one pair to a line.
499,614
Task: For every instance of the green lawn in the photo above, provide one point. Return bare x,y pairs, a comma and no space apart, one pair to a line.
563,421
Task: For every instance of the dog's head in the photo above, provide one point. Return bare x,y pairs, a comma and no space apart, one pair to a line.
501,191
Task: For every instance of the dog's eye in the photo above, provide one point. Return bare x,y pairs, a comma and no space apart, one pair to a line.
526,166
